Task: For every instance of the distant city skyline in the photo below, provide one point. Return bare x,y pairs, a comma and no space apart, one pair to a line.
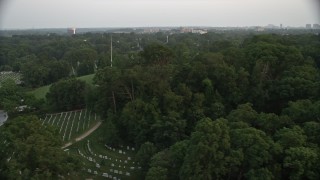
26,14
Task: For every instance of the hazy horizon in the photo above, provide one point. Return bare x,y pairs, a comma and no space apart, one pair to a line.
38,14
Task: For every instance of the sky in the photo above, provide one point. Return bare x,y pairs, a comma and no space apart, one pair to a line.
26,14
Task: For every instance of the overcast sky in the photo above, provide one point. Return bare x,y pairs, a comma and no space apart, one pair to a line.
136,13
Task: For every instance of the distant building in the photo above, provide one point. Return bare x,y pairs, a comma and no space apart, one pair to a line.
308,26
185,30
316,26
72,31
271,26
258,28
281,26
199,31
191,30
151,30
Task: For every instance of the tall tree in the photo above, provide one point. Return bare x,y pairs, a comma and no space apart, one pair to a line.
157,54
31,151
208,154
67,94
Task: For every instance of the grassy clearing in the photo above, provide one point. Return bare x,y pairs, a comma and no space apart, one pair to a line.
42,91
87,78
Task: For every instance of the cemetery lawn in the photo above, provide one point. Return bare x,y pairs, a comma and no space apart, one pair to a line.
41,92
71,124
94,148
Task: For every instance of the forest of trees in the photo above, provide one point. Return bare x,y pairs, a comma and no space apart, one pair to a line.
213,106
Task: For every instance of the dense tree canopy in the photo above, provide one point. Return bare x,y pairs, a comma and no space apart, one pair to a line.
227,105
67,94
31,151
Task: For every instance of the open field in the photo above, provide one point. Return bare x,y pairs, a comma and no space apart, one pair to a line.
87,78
42,91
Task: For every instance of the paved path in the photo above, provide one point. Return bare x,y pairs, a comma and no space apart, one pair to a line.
83,135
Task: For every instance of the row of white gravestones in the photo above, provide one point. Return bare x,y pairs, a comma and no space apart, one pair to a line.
132,168
47,119
120,151
111,170
115,171
81,154
89,158
79,120
105,157
84,123
61,126
61,115
128,148
91,152
88,146
70,132
110,176
97,165
110,148
91,171
65,130
113,165
54,119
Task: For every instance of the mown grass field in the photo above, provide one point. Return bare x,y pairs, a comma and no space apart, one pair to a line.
41,92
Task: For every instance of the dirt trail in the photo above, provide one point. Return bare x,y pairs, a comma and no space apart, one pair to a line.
83,135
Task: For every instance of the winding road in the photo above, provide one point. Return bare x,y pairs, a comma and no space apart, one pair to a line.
84,135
